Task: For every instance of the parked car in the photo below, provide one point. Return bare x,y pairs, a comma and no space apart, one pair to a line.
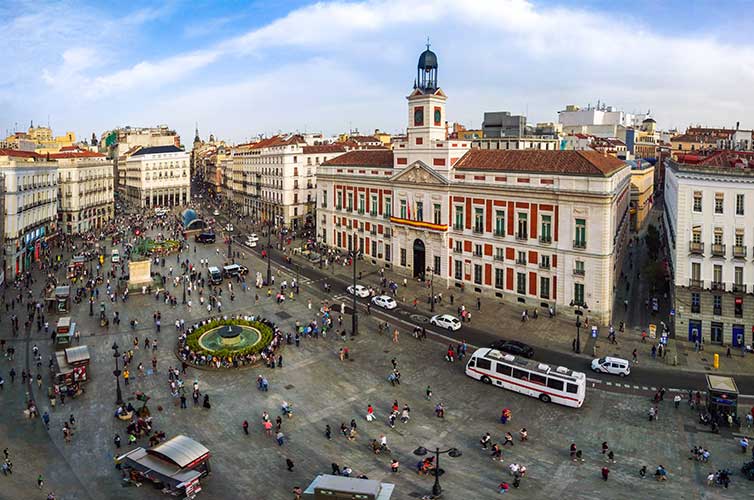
513,347
385,302
229,227
613,366
115,256
361,291
446,321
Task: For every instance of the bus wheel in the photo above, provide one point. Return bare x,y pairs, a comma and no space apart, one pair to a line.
486,380
544,398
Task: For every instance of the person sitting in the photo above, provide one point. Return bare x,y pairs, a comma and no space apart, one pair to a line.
661,474
376,447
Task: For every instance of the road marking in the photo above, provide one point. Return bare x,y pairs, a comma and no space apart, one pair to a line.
594,380
608,383
645,387
636,387
654,388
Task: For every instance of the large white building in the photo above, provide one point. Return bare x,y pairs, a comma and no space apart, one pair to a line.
31,203
158,177
574,116
275,179
709,207
86,190
531,227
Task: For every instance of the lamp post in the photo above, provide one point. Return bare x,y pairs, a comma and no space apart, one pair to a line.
91,305
432,289
184,288
579,311
269,264
298,271
230,249
116,373
355,315
452,452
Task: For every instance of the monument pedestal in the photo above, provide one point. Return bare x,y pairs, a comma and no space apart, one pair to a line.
139,274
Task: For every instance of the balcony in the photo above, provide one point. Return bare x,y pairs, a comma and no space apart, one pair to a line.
477,253
360,229
373,213
388,233
458,250
338,207
579,244
373,232
499,234
718,250
386,215
739,251
544,265
738,288
360,211
457,227
579,272
545,240
718,286
696,247
521,262
349,209
522,236
500,257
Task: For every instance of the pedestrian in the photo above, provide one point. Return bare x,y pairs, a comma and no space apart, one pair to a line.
611,457
328,432
245,426
116,440
643,471
605,447
635,355
572,451
297,492
395,336
508,439
428,394
280,437
394,464
605,473
40,481
503,487
677,401
289,464
46,420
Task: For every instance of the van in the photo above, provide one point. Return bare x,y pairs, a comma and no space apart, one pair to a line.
205,237
613,366
214,275
232,270
115,256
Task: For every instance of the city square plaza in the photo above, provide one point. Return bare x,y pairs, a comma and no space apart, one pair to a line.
324,390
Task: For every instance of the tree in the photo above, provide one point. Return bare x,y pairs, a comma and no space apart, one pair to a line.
652,240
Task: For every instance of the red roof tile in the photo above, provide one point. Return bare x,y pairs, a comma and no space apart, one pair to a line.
363,158
75,154
588,163
324,148
17,153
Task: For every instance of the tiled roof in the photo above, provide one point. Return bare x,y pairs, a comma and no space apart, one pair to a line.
692,138
324,148
589,163
277,140
75,154
69,148
363,138
728,159
363,158
158,149
17,153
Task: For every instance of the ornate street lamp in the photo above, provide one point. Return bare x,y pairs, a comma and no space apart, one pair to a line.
116,374
452,452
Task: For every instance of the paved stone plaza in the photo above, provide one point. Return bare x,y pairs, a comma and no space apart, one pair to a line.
325,390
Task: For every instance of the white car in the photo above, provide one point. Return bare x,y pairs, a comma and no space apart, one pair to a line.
251,242
115,257
229,227
361,291
384,302
446,321
613,366
216,213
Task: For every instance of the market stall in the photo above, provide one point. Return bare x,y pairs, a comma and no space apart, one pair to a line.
722,397
71,371
175,466
64,333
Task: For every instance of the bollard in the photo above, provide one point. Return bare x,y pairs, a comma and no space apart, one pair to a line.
716,361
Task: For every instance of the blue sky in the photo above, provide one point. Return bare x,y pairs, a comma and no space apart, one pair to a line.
245,68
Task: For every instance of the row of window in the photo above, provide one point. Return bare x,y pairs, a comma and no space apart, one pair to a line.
717,274
717,305
719,204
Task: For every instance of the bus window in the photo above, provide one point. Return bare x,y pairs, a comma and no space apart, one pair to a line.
520,374
538,379
554,383
572,388
484,364
503,369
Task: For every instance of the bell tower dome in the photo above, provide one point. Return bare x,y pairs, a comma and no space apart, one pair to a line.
426,71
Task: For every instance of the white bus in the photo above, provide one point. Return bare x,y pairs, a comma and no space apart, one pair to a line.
538,380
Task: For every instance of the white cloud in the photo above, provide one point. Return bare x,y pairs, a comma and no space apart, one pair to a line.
494,54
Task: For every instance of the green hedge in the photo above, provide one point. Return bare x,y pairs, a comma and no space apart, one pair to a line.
266,335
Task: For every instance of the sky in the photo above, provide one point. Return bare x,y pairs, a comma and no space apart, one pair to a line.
244,68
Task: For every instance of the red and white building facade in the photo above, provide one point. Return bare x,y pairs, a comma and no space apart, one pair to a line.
536,228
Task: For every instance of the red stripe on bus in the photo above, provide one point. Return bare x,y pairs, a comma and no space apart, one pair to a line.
525,387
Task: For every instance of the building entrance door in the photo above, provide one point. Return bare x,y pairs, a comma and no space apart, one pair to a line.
419,258
716,333
738,335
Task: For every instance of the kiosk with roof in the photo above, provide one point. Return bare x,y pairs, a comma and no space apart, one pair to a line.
722,396
175,466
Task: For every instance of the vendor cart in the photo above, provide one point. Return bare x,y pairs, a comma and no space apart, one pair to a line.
71,371
65,332
722,397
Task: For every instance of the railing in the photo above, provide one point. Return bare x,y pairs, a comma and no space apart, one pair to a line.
458,227
544,265
457,249
718,286
522,236
477,230
388,233
477,253
360,211
545,240
718,250
739,287
520,261
498,233
499,257
579,244
739,251
579,272
696,247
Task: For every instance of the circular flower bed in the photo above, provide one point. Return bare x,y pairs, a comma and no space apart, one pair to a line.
191,350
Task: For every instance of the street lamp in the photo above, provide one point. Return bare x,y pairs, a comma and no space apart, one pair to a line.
269,263
184,288
452,452
355,315
91,305
432,291
116,373
230,249
579,311
298,270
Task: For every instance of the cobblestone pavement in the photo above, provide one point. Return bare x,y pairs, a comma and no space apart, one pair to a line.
324,391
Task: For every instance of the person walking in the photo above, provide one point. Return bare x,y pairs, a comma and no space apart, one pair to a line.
289,464
428,393
280,437
245,427
605,447
605,473
508,439
395,336
40,481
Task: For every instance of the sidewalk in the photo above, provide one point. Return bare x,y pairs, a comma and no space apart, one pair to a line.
504,320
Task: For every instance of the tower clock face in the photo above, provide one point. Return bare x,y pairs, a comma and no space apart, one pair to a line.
419,116
438,116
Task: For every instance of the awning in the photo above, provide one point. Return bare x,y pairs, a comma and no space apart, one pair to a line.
77,354
181,450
